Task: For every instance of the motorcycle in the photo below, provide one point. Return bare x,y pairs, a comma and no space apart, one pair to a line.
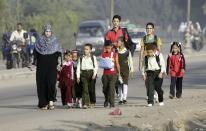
197,42
16,55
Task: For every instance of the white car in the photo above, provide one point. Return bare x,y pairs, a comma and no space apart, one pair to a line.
136,37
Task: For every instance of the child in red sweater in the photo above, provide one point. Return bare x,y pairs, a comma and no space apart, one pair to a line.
66,78
176,69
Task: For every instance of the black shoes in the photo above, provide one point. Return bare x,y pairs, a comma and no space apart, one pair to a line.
123,102
120,102
106,104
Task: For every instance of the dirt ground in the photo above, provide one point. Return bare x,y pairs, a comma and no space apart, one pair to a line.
185,114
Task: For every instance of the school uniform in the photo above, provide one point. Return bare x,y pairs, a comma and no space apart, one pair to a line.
175,64
152,66
109,80
77,88
126,64
87,67
66,78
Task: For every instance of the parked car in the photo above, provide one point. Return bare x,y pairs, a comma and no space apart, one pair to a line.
136,36
91,32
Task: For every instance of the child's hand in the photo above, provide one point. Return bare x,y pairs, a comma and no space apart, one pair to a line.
145,77
160,75
94,76
131,74
183,71
59,68
78,80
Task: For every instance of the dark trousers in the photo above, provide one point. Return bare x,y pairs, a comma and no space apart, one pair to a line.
88,92
176,82
109,88
154,83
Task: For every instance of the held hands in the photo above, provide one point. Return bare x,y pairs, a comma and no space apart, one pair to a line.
78,80
144,76
183,71
131,74
160,75
115,43
94,76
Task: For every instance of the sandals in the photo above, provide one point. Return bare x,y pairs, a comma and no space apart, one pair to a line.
51,107
44,108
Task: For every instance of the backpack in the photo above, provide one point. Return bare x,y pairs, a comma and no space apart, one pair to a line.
147,43
92,57
157,60
128,44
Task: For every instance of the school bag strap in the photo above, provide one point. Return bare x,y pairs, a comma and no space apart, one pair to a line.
157,60
129,43
92,57
146,43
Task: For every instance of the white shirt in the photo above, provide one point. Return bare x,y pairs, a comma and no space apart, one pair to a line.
87,64
18,36
153,65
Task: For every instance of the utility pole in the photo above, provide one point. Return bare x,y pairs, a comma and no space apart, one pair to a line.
17,10
111,11
187,35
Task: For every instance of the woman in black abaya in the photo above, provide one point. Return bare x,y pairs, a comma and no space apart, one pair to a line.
47,51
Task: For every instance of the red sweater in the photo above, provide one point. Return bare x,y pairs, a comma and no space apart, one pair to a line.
112,71
175,64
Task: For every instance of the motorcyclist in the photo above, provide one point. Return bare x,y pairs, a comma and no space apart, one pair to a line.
21,36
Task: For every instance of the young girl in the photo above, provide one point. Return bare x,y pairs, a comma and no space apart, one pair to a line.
176,69
77,87
66,78
126,64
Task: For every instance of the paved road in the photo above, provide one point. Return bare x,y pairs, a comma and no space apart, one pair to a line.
18,101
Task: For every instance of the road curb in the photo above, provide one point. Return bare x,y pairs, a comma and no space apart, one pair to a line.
16,73
26,72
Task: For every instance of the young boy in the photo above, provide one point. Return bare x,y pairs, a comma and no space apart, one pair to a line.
87,71
150,38
153,68
110,75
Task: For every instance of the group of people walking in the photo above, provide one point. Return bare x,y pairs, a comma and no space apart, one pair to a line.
76,75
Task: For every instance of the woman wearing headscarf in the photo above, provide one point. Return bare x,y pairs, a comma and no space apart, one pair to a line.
47,52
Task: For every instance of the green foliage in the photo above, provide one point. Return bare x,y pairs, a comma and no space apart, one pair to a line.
65,15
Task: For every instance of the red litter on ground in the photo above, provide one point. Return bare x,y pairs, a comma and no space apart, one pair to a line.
116,112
